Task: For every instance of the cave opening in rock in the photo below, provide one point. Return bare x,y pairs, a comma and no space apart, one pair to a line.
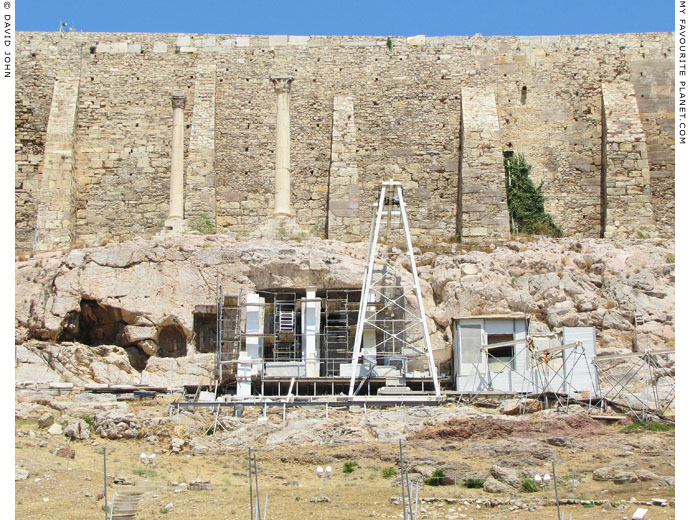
172,342
98,324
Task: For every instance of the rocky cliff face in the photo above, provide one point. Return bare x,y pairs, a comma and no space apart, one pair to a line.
123,313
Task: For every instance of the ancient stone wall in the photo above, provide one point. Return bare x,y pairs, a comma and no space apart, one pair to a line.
625,178
406,102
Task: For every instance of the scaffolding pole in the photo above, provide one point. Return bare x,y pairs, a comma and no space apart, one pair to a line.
400,325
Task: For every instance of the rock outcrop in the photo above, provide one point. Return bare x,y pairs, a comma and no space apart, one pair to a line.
106,314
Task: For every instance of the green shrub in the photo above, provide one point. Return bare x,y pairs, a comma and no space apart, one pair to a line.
88,419
349,466
651,426
525,200
670,258
145,472
436,478
204,225
529,485
473,483
388,472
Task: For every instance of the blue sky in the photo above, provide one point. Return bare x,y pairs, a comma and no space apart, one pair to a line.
353,17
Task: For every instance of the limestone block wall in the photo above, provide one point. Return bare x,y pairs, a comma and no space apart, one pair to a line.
33,98
626,188
124,142
483,204
343,181
407,108
200,202
549,105
651,73
56,198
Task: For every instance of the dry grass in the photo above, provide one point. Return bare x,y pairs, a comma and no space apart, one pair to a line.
364,491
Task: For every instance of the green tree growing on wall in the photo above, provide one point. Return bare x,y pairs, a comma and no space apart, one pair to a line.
525,200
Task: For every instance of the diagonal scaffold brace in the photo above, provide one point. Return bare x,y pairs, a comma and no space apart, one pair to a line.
383,307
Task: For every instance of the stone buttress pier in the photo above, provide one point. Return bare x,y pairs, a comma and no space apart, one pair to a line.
625,179
482,198
56,208
343,179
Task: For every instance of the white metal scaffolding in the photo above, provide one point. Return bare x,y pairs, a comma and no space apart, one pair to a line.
646,384
540,377
400,329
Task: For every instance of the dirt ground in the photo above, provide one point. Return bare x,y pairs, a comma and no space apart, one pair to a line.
578,444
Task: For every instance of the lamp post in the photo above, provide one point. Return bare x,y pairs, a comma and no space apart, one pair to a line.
324,473
147,460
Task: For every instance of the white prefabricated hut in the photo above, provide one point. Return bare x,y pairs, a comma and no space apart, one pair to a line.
495,353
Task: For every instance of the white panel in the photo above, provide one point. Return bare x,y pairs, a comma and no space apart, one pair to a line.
584,377
255,325
311,316
469,378
285,369
244,375
499,326
469,334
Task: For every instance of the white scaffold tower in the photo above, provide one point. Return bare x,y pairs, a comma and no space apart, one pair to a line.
391,309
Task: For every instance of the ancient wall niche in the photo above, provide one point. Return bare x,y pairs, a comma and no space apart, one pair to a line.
172,342
205,331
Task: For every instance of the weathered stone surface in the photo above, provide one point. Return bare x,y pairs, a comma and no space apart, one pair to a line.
116,424
605,473
78,429
518,406
65,452
506,476
55,429
20,473
46,420
491,485
176,444
145,286
621,477
408,117
134,333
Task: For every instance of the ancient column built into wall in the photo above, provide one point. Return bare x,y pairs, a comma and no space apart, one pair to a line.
283,206
175,222
282,224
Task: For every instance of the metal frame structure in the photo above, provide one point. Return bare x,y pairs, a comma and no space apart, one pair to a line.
653,400
383,308
229,331
539,381
282,335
